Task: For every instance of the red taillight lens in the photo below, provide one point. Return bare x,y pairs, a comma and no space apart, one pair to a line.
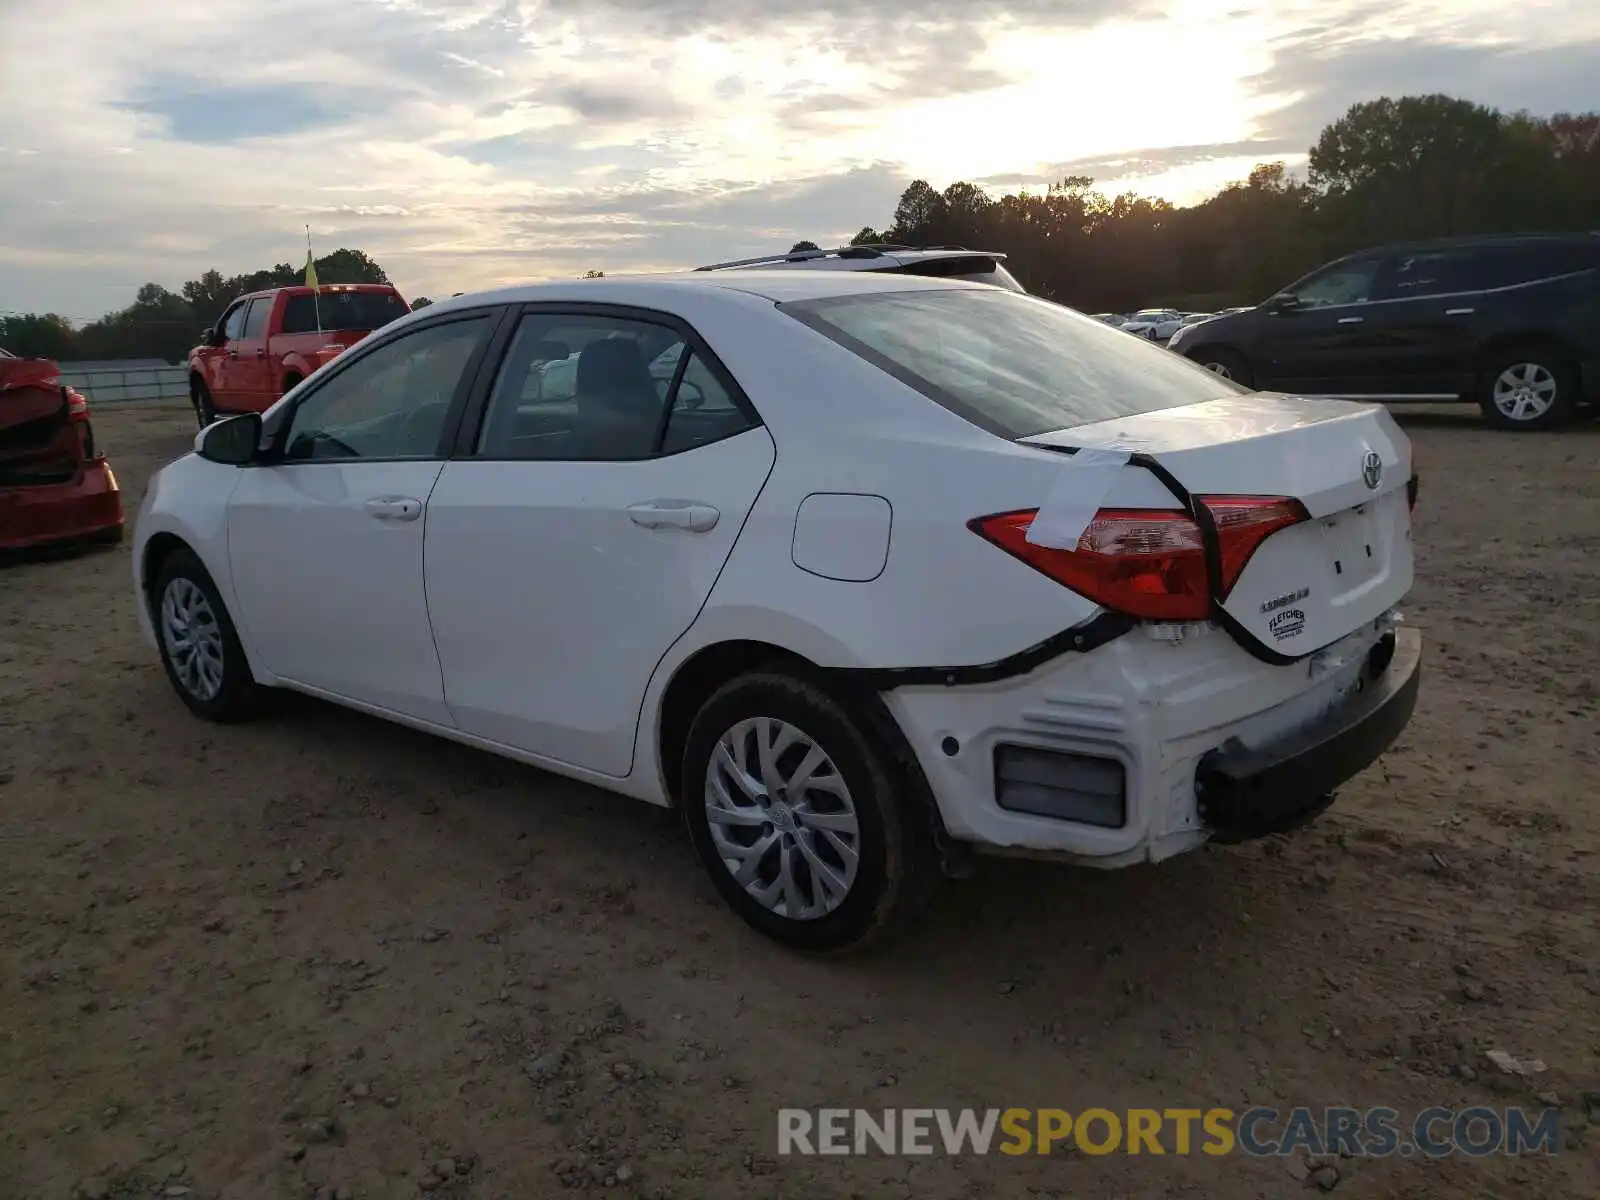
1149,563
77,406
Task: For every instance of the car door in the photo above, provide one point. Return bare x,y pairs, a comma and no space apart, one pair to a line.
580,529
1421,323
222,358
1313,337
248,366
325,539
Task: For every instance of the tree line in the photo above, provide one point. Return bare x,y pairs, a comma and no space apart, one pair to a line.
164,324
1388,170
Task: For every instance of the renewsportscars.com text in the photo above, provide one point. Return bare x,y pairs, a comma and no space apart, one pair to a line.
1259,1132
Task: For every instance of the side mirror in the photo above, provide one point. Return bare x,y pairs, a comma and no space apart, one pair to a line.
1283,302
212,336
233,441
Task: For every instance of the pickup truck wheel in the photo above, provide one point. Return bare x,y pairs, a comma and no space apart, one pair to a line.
290,382
200,396
1528,387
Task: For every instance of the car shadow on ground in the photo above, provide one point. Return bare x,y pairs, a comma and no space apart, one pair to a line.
1466,417
1030,923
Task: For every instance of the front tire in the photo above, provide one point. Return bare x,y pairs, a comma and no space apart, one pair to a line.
200,648
800,817
205,413
1228,363
1528,388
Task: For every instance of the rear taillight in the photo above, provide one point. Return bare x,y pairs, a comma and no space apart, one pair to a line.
1149,563
77,406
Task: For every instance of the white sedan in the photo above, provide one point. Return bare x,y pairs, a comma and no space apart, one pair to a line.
863,571
1154,324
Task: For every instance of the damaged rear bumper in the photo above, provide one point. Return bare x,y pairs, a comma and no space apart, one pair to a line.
1247,793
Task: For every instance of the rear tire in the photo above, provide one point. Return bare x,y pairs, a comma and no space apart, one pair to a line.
1528,387
200,648
1228,363
834,857
290,382
205,412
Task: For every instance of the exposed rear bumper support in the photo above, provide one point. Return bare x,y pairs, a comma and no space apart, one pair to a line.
1247,793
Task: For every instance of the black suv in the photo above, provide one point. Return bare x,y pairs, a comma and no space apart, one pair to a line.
1512,322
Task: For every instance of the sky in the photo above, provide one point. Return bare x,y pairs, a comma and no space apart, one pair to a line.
472,143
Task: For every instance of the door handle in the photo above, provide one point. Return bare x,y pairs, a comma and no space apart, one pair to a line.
261,353
674,514
1351,320
1459,312
394,508
233,354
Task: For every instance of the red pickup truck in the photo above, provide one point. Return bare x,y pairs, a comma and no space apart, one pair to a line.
267,342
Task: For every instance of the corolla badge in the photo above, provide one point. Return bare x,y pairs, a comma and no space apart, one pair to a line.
1371,468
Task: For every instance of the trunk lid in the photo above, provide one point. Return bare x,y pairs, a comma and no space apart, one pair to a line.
1312,583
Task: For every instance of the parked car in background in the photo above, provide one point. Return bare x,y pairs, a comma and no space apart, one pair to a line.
1196,318
267,342
1154,324
933,262
1510,322
55,483
864,587
1117,319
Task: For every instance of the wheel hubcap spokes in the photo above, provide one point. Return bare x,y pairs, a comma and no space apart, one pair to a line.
1217,368
781,818
192,638
1525,391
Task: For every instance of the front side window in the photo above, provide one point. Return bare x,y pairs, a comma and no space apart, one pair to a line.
233,323
1014,365
255,325
1347,283
391,402
584,387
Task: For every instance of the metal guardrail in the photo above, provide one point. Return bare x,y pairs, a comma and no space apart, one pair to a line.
119,385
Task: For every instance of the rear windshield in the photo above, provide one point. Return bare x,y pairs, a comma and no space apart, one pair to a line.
341,310
1012,364
978,268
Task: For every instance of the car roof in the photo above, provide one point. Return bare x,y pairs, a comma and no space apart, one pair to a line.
323,289
1473,242
777,286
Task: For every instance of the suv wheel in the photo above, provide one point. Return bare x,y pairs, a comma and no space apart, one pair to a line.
1528,387
798,816
1230,364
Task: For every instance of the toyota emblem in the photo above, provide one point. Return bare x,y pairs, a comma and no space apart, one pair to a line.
1371,468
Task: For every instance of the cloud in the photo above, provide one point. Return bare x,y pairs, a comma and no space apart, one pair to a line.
1323,73
192,111
466,143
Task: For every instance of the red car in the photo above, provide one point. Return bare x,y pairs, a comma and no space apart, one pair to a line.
55,484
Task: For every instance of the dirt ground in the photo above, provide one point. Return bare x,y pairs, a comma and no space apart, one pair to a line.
319,954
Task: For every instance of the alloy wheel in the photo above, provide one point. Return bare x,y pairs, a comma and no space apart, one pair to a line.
1217,368
1525,391
782,819
192,638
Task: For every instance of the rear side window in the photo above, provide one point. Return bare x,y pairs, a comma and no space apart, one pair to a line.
1014,365
255,325
1435,273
